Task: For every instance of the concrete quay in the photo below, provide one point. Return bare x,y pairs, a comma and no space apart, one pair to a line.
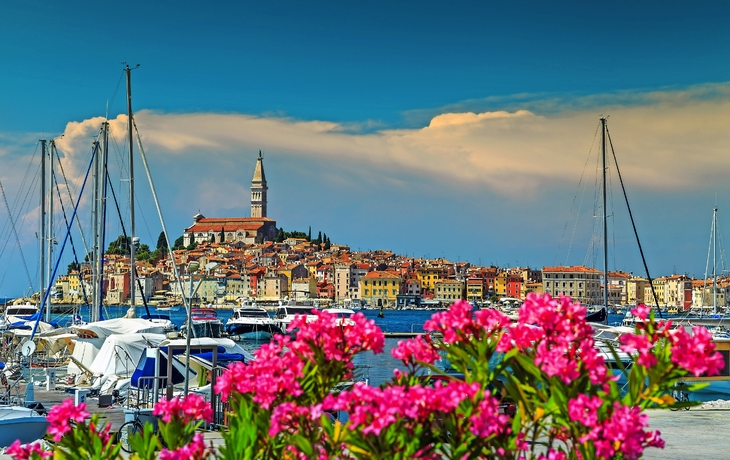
699,433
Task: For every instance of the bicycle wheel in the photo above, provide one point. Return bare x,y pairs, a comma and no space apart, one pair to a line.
125,432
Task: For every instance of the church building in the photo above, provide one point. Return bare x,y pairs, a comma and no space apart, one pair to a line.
249,230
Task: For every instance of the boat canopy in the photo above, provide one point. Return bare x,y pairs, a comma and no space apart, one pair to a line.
121,352
103,329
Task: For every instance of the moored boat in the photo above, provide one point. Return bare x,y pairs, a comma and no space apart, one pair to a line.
251,322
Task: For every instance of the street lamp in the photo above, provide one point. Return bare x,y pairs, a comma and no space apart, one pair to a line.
191,268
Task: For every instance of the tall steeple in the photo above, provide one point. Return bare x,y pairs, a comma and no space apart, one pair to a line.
258,189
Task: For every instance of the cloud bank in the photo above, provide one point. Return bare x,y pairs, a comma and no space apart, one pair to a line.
664,140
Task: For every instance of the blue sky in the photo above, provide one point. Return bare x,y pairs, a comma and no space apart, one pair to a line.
440,129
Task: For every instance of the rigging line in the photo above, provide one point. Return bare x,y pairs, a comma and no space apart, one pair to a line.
633,224
707,263
15,233
186,302
126,238
68,190
70,239
580,205
63,245
18,196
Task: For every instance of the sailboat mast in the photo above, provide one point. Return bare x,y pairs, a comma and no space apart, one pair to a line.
132,249
605,216
42,226
49,231
714,262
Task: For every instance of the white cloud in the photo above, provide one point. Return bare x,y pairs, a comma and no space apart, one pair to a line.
664,140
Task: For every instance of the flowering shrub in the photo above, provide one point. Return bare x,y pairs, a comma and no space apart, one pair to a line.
285,403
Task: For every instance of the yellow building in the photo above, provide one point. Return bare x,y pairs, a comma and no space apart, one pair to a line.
428,277
380,288
500,284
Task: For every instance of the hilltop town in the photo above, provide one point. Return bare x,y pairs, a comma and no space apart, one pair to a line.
249,258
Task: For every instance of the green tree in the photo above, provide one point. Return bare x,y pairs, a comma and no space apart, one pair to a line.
309,237
179,243
120,246
192,246
161,241
281,236
73,267
143,253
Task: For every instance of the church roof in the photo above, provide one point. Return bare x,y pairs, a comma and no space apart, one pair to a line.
258,173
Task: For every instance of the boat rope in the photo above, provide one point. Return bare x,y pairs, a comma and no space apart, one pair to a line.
19,208
73,246
633,224
126,238
63,246
186,302
68,190
15,233
573,205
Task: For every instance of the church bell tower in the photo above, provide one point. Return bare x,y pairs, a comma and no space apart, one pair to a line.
258,189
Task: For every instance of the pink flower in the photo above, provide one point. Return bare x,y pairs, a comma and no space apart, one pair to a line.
641,312
695,353
487,420
641,344
553,455
25,452
194,451
417,349
188,409
61,416
584,409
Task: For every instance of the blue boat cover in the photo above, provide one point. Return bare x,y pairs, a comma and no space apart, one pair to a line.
222,357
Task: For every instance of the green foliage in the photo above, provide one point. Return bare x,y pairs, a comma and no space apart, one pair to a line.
179,243
191,246
120,246
161,241
73,267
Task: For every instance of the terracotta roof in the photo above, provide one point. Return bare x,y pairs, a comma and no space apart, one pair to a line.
574,269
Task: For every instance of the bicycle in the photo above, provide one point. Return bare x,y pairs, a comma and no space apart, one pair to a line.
129,429
680,395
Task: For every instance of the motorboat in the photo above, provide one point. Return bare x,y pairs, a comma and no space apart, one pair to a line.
21,423
286,312
18,313
205,323
251,322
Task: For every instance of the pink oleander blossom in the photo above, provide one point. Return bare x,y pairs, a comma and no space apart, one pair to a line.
25,451
374,409
696,352
556,331
553,455
641,312
270,376
61,416
623,431
416,349
288,416
641,344
486,420
584,409
189,409
195,450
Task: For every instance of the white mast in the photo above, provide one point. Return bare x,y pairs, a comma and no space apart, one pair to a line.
714,261
132,249
42,236
49,230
